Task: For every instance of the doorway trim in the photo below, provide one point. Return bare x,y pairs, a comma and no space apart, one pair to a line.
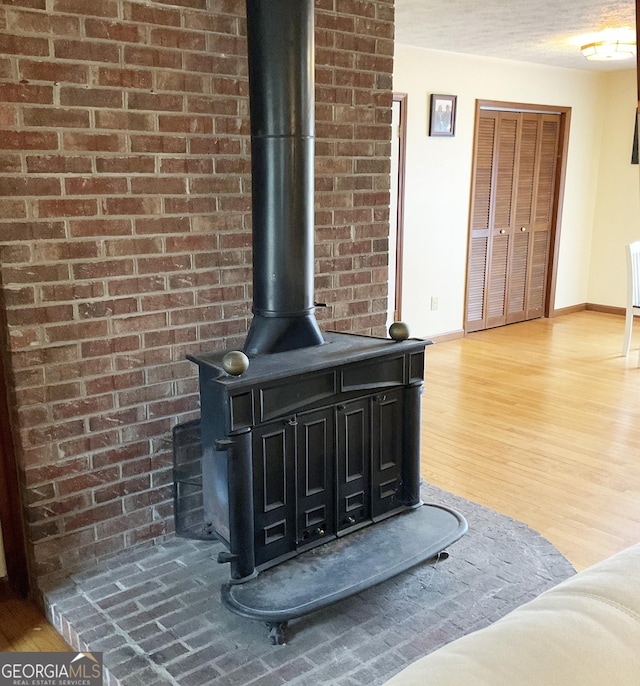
402,99
558,201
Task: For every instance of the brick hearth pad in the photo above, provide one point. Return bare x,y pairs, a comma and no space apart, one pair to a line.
156,615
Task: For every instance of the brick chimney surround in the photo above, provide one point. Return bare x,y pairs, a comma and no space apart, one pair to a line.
125,238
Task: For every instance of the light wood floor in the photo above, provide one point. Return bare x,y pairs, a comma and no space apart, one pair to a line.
24,629
541,421
537,420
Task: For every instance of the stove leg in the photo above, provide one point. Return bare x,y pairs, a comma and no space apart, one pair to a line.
276,632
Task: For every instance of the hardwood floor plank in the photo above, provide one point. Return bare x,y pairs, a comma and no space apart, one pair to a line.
541,421
23,628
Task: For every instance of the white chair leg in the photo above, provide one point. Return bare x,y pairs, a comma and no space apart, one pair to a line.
628,324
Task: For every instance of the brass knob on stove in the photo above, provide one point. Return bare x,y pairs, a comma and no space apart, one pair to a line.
351,520
320,531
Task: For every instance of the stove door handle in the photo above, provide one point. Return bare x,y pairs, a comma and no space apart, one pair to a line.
290,421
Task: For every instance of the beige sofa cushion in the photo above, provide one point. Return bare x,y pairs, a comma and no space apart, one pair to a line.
583,632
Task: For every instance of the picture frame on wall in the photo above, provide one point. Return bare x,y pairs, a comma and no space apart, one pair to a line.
442,121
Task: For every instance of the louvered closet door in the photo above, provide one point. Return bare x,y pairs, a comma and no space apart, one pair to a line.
512,208
544,200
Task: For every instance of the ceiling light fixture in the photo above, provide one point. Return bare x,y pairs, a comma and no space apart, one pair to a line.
607,50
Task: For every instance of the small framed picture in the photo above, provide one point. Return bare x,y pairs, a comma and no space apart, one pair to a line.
443,115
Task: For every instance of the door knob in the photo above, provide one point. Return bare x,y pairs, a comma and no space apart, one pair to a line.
503,231
523,228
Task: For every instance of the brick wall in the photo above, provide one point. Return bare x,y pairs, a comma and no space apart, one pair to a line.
125,239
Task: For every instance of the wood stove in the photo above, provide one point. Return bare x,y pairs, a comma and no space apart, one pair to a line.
311,438
309,445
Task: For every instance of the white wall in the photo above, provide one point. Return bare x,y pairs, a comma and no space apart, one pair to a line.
617,216
438,174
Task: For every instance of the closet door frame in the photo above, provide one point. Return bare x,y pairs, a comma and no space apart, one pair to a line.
560,175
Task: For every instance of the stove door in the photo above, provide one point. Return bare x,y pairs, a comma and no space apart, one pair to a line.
354,463
315,470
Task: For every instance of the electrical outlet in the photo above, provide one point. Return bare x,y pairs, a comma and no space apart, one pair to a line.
434,302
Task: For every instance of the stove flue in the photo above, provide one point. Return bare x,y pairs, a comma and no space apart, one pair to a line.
280,38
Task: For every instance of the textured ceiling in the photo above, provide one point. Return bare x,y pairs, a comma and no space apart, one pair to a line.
537,31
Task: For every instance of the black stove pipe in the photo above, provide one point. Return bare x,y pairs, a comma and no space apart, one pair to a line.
280,38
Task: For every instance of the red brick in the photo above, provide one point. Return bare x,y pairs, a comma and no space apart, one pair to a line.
91,51
153,57
133,246
91,185
94,142
90,97
157,265
22,92
125,78
39,315
155,101
129,121
114,31
22,45
29,186
67,208
76,331
8,116
19,297
36,273
28,140
58,164
142,14
107,308
99,8
164,144
100,227
102,269
128,206
41,70
131,164
154,185
157,225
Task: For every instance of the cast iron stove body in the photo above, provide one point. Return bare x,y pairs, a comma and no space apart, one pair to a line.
309,445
